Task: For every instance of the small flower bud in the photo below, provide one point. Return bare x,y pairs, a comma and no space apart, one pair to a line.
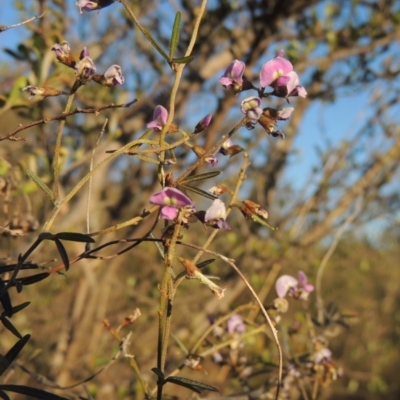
203,124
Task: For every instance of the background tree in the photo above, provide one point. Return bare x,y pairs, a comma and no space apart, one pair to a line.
341,50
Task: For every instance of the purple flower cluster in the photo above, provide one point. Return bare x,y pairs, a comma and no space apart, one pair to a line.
287,285
171,200
278,74
85,68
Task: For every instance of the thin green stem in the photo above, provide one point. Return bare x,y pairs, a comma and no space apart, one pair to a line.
56,160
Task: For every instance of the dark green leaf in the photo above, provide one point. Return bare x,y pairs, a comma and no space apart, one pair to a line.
8,325
18,286
190,384
5,300
33,392
75,237
199,191
14,54
200,177
30,280
11,267
46,236
159,373
4,396
63,253
40,183
183,60
20,307
15,350
175,35
205,263
4,364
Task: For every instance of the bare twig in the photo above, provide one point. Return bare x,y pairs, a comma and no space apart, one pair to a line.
4,28
64,115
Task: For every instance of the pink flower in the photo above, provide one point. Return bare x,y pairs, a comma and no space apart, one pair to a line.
170,199
235,324
113,76
252,108
233,76
284,284
275,72
160,117
89,5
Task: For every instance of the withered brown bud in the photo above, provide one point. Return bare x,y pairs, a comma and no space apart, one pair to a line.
169,179
267,122
233,150
251,208
219,189
190,267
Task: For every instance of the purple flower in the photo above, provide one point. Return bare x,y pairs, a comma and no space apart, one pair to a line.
290,88
170,199
85,68
202,124
302,278
113,76
212,159
215,216
84,53
61,49
251,107
34,91
297,288
235,324
285,284
322,355
88,5
233,76
275,72
160,117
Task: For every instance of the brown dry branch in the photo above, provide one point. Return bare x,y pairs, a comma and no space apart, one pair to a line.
65,115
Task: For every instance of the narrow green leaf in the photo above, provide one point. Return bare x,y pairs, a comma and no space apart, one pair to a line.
63,253
183,60
191,384
261,221
4,396
199,191
15,350
8,325
75,237
33,392
205,263
155,44
30,280
159,373
40,183
46,236
180,344
200,177
5,300
19,307
175,35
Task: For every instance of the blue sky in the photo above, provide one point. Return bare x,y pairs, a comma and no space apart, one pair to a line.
323,121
